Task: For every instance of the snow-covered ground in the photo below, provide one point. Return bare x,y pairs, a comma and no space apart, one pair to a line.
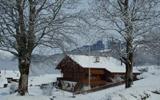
43,79
144,89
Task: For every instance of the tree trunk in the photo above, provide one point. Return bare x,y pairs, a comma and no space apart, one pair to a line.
129,66
24,63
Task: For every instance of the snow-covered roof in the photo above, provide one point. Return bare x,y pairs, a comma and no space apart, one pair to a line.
10,74
109,63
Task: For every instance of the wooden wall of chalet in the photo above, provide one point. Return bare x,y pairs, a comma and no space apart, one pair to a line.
71,70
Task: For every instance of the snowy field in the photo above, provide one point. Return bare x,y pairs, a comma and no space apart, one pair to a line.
144,89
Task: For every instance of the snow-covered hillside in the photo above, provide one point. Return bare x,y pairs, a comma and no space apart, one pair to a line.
40,64
144,89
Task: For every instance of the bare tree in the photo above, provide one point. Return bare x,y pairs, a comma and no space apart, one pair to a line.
26,24
130,19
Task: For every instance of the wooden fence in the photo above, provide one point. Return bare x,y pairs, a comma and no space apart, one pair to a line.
100,88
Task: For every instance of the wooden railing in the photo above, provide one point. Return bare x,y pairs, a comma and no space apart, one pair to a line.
108,85
100,87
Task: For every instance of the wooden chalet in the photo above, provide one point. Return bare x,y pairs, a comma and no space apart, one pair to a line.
10,75
81,72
